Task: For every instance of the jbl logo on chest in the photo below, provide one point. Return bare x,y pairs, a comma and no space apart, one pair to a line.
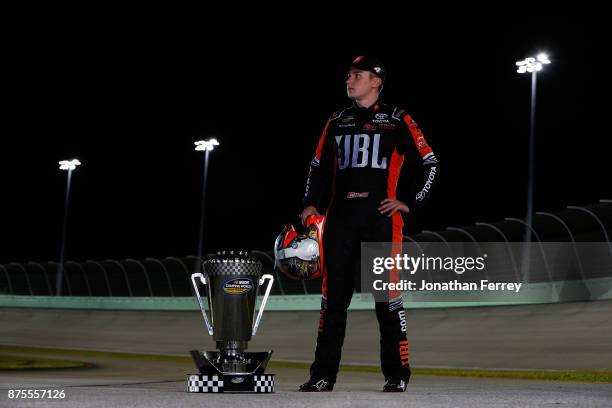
361,150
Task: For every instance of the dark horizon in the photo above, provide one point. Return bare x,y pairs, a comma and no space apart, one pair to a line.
130,107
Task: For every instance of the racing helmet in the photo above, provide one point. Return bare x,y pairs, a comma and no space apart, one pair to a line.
298,252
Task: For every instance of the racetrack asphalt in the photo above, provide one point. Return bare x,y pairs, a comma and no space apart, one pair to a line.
572,336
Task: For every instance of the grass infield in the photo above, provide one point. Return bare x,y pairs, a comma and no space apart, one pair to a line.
542,375
12,362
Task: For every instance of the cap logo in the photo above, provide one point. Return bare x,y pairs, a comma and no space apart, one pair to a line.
377,69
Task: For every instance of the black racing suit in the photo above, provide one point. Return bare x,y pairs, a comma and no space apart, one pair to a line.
359,157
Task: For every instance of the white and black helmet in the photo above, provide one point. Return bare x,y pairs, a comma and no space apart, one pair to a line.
298,252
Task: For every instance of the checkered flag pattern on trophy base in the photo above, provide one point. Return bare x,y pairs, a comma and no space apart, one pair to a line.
204,383
264,383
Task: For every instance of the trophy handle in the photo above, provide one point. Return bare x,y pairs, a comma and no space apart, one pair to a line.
270,278
195,286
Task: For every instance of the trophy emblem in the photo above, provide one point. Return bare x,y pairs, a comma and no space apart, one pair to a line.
231,280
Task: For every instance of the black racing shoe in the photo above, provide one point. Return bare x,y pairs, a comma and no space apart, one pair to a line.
317,385
395,385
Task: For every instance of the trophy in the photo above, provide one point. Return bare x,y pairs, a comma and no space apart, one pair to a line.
232,280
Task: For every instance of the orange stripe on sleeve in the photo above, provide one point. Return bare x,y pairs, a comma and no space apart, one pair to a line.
417,136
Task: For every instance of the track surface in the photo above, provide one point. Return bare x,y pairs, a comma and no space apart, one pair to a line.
569,336
153,385
566,336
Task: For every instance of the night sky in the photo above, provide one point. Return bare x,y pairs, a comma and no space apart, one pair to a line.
129,102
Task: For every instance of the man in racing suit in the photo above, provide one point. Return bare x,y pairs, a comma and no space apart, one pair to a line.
359,157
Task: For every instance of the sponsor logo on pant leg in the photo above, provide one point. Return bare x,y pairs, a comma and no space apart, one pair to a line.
322,314
321,320
402,317
404,353
396,304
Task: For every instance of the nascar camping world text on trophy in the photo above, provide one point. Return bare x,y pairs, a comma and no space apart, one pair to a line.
232,281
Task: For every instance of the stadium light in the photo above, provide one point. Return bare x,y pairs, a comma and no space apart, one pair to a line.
531,65
205,146
69,166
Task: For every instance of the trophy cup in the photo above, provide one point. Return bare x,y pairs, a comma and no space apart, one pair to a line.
232,280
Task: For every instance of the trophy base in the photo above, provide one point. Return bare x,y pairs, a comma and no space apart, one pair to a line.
221,383
213,378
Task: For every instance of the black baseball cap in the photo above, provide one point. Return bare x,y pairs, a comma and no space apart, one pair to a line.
370,63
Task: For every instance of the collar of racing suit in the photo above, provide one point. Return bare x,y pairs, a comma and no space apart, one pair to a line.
375,107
